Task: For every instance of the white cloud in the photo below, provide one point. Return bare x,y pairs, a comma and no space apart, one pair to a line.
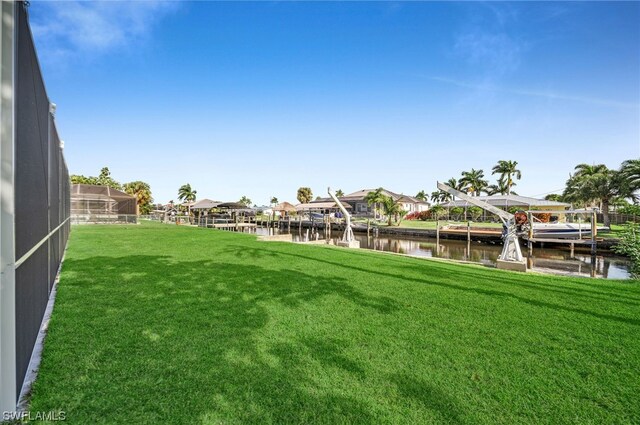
495,52
488,87
64,28
488,40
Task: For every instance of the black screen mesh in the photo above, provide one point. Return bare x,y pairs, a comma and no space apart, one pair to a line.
41,190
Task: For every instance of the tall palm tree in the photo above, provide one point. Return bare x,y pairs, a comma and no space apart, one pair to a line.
596,184
186,193
375,197
274,202
454,183
422,195
142,193
339,193
473,181
507,171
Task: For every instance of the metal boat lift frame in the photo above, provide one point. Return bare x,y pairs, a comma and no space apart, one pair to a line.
511,257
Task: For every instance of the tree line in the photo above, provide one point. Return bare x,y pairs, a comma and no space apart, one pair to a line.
588,186
474,182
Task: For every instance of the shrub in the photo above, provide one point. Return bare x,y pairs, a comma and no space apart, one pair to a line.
475,213
438,211
630,210
629,245
412,216
457,212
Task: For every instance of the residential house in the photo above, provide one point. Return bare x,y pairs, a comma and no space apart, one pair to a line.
359,205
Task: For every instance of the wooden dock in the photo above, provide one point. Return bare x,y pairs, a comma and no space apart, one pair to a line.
231,225
565,241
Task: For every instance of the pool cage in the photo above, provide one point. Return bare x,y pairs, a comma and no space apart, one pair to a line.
92,204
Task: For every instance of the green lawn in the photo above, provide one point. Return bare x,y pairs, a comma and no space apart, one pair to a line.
164,324
615,232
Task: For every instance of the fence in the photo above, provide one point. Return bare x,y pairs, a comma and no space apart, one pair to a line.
103,218
34,200
619,218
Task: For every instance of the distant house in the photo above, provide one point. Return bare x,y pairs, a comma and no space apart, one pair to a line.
205,204
360,206
326,206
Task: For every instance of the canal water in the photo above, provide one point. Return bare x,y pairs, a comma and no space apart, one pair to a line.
547,260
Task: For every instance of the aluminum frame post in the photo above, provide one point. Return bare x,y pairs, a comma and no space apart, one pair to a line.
8,364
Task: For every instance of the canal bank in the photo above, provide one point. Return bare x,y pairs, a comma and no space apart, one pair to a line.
462,233
545,259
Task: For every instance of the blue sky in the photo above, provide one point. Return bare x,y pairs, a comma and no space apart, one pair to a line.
258,99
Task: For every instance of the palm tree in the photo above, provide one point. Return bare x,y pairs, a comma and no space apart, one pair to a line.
305,195
630,170
274,202
500,189
391,208
185,193
473,181
421,195
246,201
439,196
142,193
507,170
339,193
596,184
454,183
375,197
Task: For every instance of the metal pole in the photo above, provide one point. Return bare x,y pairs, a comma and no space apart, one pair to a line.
594,231
8,365
437,237
529,242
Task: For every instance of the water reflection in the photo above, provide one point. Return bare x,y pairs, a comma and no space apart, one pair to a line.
543,259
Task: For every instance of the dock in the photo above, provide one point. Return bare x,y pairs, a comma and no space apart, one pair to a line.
230,225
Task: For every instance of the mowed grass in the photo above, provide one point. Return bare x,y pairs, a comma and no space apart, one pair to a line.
167,324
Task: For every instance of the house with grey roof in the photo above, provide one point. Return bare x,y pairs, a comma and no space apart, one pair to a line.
358,203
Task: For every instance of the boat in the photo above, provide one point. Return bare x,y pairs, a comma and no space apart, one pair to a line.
561,230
